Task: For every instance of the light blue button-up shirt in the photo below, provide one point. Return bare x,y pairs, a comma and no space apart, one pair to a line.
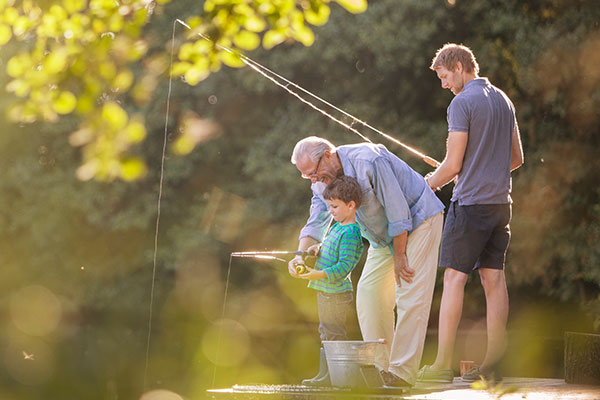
395,198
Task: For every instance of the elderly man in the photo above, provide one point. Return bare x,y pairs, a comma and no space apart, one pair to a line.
402,219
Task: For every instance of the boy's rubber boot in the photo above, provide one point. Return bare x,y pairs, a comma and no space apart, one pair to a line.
322,378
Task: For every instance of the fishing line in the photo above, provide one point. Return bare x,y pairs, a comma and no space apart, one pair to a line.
160,187
218,349
264,71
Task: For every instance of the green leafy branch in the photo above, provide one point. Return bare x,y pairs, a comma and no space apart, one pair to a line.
80,57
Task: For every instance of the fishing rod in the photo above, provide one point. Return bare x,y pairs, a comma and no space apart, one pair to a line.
264,71
272,255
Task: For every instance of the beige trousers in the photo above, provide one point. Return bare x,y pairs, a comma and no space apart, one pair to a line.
377,294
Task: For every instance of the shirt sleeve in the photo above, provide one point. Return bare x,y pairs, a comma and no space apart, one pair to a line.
350,250
391,196
318,219
458,116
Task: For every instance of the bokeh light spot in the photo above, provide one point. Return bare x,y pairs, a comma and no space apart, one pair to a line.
226,343
35,310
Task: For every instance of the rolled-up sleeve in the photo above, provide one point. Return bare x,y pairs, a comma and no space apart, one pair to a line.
392,198
317,221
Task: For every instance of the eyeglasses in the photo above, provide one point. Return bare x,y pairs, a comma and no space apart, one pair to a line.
314,174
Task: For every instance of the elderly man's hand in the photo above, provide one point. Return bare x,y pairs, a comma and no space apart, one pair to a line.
401,269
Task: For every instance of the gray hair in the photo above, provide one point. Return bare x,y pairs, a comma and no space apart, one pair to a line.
312,147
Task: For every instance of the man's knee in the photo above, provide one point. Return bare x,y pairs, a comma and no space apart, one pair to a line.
455,278
492,279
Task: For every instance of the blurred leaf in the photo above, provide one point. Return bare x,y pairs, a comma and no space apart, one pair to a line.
272,38
5,34
73,6
123,80
183,145
318,17
55,62
135,131
354,6
195,75
65,103
114,115
305,36
232,60
133,169
18,65
254,23
246,40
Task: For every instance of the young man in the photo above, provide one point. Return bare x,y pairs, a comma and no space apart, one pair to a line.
337,257
402,219
483,147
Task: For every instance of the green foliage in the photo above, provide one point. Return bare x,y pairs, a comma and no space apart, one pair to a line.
79,54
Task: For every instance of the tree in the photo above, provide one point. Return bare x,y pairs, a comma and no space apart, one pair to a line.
92,58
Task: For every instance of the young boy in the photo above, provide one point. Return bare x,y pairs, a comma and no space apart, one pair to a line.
339,253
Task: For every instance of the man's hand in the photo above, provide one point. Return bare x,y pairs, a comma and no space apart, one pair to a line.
401,269
314,249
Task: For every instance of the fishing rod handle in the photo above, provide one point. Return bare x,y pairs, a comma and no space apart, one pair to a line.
431,161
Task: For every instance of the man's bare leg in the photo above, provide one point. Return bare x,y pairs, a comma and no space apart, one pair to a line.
450,313
496,295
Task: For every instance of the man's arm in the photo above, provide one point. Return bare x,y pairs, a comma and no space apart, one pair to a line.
516,155
452,164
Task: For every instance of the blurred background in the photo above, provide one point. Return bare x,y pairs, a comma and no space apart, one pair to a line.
77,257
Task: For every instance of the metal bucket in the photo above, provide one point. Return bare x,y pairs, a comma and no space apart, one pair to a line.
347,359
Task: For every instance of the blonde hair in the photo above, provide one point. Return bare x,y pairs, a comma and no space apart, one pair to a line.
452,53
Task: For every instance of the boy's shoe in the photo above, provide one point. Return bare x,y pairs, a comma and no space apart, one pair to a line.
475,374
392,381
426,374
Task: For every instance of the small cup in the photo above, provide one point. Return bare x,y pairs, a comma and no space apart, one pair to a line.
465,366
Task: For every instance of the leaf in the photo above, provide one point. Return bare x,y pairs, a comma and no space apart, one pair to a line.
64,103
132,169
135,132
123,80
195,75
183,145
18,65
246,40
55,62
74,6
232,60
272,38
180,68
318,17
305,36
354,6
5,34
114,115
186,51
255,23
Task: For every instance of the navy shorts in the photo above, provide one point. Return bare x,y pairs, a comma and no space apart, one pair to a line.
475,236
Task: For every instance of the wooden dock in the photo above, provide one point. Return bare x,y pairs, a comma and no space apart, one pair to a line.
509,389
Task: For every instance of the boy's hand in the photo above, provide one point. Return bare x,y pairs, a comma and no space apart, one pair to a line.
292,266
312,274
